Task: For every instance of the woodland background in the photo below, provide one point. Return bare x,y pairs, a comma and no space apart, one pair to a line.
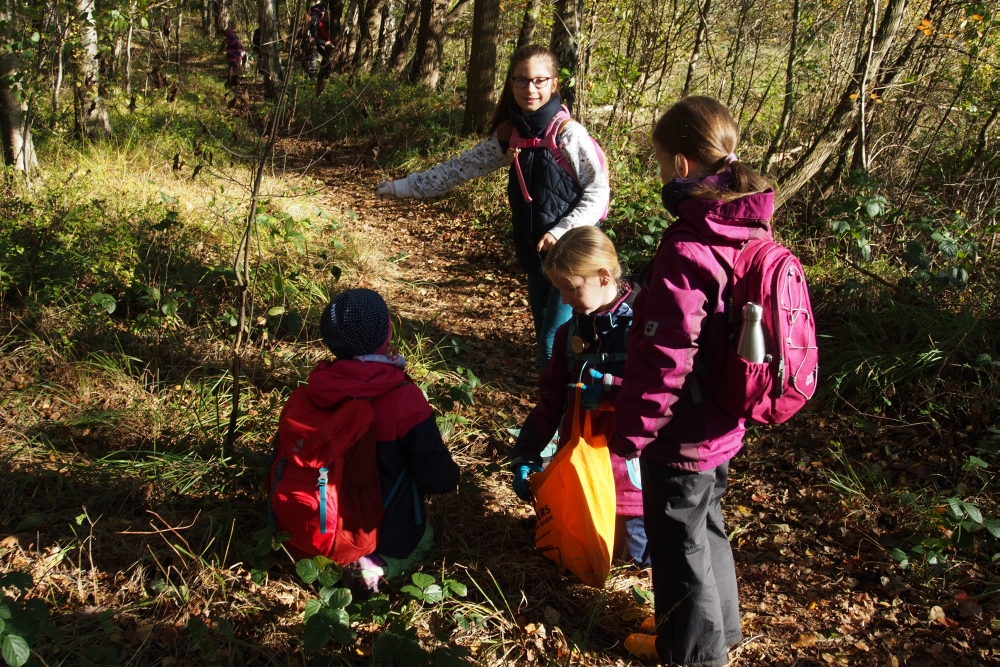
167,242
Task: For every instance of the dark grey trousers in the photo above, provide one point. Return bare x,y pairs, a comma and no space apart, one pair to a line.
694,580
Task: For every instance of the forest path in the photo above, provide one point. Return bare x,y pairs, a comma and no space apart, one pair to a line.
813,577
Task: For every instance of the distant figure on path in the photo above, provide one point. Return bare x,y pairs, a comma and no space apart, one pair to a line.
552,187
234,56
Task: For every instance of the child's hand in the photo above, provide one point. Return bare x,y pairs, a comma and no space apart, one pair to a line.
393,189
521,473
590,396
512,155
547,242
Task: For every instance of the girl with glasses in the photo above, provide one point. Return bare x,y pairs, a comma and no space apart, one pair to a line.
548,194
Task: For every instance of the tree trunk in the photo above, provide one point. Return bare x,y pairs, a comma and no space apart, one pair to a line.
222,11
481,74
978,157
350,33
92,119
566,45
699,39
401,45
435,20
385,32
270,47
527,32
206,17
843,116
15,131
786,108
368,27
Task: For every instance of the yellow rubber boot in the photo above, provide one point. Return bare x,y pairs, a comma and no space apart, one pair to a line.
649,625
642,646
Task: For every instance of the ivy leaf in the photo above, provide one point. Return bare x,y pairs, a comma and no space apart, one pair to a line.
307,570
15,650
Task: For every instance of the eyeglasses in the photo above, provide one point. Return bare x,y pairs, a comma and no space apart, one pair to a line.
540,82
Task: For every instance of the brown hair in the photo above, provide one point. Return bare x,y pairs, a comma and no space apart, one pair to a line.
583,251
701,129
526,52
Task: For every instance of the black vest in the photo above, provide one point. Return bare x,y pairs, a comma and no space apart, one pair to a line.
554,192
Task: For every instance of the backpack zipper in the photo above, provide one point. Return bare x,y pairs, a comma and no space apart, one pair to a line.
321,483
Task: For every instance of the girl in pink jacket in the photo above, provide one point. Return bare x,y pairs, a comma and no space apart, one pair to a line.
665,414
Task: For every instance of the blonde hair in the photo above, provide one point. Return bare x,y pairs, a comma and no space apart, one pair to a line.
583,251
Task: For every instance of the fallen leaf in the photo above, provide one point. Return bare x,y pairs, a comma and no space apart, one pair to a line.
805,641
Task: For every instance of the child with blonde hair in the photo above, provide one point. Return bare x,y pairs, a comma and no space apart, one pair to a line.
589,348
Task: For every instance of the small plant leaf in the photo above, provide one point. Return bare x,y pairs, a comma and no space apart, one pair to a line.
307,570
433,593
277,310
105,301
340,598
317,633
413,591
975,461
956,507
993,526
973,512
900,556
313,606
15,650
461,590
422,580
330,574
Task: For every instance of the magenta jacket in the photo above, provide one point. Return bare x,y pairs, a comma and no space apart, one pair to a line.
677,344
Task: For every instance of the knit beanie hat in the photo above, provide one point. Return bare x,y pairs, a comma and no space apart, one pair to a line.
355,323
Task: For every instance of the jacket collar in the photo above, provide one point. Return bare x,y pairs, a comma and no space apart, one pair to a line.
534,124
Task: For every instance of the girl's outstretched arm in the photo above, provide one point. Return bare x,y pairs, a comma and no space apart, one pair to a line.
484,158
580,152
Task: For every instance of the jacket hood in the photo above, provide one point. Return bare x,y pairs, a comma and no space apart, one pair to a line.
333,381
743,219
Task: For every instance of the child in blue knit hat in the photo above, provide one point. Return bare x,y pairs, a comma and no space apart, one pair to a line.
412,459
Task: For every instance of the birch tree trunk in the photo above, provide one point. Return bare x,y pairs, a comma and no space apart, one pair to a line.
15,131
843,116
222,15
481,74
91,117
566,45
270,47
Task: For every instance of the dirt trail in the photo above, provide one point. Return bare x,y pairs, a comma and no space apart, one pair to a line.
816,587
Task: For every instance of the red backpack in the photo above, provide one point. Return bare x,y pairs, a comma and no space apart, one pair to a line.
323,479
550,142
770,393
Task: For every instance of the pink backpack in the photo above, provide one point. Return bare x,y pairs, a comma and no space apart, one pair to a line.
770,393
550,142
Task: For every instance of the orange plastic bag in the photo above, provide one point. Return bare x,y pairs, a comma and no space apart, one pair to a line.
575,504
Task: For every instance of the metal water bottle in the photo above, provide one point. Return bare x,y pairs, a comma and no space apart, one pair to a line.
751,347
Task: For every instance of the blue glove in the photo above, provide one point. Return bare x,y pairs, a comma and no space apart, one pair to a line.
590,395
521,473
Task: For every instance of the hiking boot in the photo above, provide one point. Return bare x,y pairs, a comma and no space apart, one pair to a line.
649,625
642,646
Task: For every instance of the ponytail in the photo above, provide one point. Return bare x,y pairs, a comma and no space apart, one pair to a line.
701,129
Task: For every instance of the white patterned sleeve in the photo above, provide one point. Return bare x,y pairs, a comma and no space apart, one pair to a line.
580,152
483,158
